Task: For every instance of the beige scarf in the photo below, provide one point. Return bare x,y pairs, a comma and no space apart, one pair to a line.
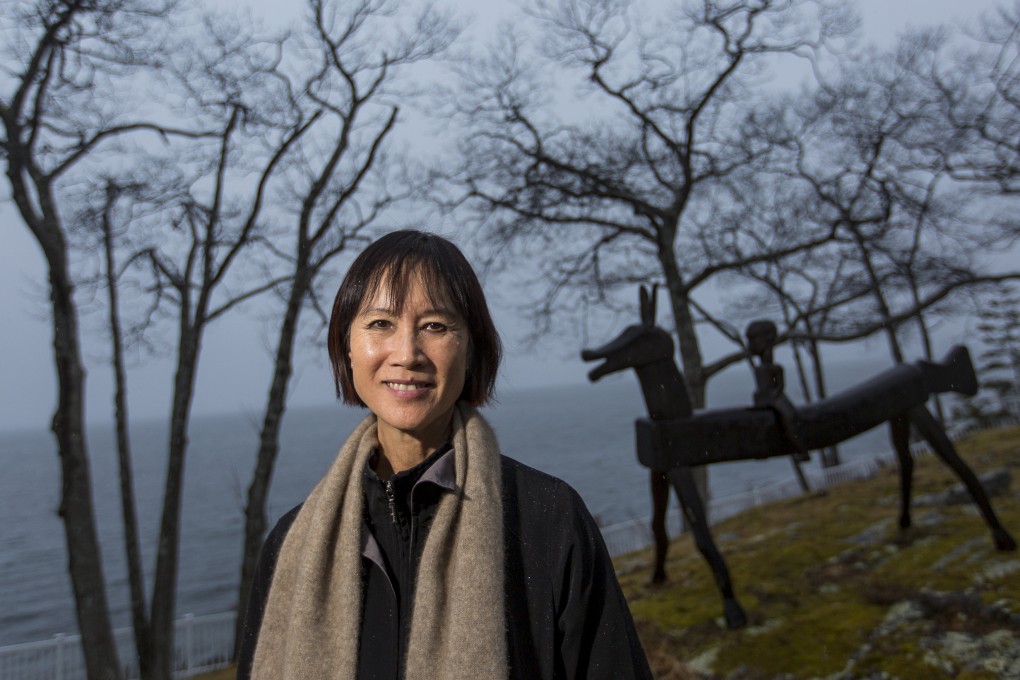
313,613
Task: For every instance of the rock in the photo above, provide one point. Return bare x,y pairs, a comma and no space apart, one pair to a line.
995,482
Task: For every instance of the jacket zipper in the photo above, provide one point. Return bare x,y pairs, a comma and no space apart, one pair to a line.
412,538
392,500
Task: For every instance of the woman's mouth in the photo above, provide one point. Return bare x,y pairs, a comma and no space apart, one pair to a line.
408,389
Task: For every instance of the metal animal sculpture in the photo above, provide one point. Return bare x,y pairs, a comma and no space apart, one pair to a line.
674,439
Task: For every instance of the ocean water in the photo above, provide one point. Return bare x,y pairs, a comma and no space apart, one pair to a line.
583,434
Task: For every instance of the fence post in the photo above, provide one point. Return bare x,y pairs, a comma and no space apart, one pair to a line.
189,622
60,639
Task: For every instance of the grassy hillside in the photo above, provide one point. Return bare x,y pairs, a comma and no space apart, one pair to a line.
834,589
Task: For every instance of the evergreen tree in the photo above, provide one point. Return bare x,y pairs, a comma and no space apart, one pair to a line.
999,362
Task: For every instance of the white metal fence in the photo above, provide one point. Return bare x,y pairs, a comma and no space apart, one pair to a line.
204,643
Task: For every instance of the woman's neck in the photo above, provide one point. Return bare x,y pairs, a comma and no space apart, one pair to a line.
401,450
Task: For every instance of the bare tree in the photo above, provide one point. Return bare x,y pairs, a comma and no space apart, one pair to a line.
109,229
209,209
629,194
63,60
865,156
303,126
979,86
116,218
188,216
339,186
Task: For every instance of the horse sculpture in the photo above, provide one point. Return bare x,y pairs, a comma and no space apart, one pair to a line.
674,439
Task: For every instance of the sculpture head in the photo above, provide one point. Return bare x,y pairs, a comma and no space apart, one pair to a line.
761,338
638,345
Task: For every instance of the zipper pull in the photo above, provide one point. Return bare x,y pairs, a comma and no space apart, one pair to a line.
391,497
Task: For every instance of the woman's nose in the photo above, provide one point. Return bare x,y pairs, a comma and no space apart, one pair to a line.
407,350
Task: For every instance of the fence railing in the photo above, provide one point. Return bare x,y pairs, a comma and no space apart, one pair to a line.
202,644
205,643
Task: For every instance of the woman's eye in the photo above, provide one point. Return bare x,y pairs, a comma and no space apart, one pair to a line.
435,327
380,324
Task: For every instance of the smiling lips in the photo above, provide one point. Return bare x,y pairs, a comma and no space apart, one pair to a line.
408,389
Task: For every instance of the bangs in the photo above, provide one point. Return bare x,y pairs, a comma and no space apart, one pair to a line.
402,275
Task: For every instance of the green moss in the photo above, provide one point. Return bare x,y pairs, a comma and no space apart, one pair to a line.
976,675
674,609
818,575
817,642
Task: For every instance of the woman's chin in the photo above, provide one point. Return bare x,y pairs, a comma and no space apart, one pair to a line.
424,423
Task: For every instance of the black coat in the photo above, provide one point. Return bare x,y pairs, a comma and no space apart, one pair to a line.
566,615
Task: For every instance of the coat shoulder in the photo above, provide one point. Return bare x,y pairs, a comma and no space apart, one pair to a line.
536,501
525,484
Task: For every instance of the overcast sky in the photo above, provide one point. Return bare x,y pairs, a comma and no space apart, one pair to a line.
234,370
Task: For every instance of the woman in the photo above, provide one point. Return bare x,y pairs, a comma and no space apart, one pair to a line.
423,552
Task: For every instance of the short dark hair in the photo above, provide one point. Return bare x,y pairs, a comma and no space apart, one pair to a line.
403,258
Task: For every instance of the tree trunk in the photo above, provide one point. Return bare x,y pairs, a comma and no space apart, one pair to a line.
883,307
136,579
922,329
687,338
269,447
76,509
830,456
798,361
690,352
167,557
84,558
802,377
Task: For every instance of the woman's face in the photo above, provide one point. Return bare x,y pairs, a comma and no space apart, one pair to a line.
410,368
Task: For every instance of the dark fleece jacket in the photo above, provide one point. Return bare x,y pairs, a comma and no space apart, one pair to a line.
566,615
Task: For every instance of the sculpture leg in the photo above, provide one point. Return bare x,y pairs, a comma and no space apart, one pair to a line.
899,432
943,447
660,504
694,510
805,486
786,414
